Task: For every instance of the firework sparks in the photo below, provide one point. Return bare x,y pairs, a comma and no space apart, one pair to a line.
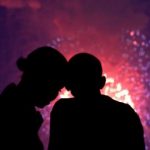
127,79
116,91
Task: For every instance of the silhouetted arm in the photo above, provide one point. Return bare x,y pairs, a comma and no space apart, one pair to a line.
135,131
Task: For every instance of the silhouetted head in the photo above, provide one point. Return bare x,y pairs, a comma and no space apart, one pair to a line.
84,75
43,74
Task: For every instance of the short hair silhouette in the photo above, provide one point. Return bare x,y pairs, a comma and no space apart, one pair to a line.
43,73
85,74
92,120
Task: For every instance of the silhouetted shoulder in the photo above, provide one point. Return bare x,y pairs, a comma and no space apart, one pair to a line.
129,122
9,90
114,104
8,95
120,107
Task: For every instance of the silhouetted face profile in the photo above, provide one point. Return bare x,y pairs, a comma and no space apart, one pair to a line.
43,74
84,75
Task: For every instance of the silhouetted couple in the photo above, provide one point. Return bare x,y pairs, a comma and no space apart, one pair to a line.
90,120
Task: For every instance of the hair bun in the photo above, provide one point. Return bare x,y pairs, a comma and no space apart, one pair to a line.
21,64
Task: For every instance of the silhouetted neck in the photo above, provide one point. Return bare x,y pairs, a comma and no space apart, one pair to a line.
89,94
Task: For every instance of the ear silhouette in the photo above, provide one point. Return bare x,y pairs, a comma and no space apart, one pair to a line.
102,82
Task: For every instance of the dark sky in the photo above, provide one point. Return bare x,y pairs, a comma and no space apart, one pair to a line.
25,25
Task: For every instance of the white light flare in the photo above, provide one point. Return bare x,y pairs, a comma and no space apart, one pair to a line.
117,92
64,93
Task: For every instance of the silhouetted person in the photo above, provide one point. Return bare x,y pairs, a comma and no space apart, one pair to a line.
91,120
41,80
